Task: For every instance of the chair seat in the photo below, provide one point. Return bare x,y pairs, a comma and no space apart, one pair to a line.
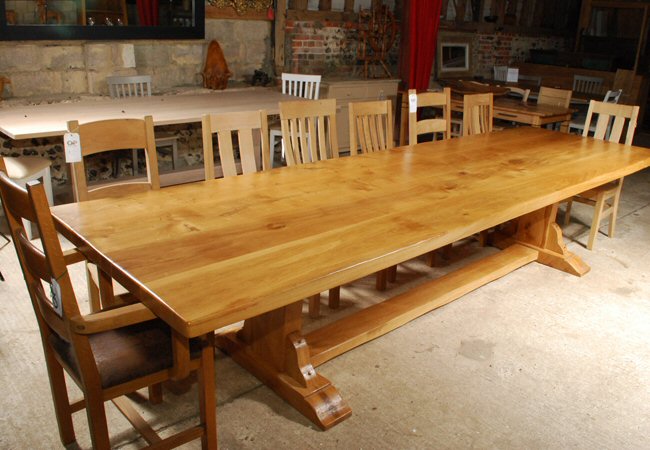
25,166
593,193
127,353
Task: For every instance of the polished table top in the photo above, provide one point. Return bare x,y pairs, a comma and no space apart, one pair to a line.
516,106
24,122
212,253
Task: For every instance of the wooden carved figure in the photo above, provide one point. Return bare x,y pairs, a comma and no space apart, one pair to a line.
215,72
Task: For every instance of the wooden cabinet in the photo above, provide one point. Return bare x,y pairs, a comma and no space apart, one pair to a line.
346,91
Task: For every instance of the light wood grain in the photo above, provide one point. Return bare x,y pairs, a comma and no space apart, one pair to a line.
324,224
439,124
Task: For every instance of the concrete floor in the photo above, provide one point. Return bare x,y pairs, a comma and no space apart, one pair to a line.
538,359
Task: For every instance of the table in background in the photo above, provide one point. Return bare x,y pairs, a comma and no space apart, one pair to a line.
210,254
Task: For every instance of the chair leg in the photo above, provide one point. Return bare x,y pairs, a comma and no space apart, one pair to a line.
567,212
208,395
314,306
391,273
97,419
483,238
155,394
60,398
595,223
614,212
93,293
380,282
334,299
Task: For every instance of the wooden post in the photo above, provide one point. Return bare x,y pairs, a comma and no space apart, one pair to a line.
349,6
325,5
279,26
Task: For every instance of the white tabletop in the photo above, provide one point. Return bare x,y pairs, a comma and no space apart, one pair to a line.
25,122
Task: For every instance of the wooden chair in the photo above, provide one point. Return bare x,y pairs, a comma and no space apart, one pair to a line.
24,169
109,353
309,135
309,130
436,125
605,199
250,127
587,85
534,79
520,93
554,97
478,114
371,126
298,85
96,137
500,73
578,121
140,86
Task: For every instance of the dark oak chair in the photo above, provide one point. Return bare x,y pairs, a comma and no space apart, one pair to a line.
108,353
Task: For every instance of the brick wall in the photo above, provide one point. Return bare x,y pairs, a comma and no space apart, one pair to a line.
326,48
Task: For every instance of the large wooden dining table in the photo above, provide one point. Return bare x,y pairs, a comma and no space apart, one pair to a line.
209,254
45,120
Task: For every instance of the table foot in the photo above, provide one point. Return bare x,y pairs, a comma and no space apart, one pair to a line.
286,368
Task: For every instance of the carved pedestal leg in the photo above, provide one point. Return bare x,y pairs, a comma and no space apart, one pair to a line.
271,347
538,230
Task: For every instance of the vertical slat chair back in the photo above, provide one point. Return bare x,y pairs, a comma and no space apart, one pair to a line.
500,73
299,85
478,114
252,131
108,135
554,97
587,85
309,130
612,120
371,126
129,86
441,100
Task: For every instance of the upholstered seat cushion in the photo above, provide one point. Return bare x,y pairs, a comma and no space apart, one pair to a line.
127,353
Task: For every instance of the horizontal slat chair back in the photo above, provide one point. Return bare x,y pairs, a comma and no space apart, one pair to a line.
519,92
587,85
129,86
478,114
613,96
40,267
111,135
309,130
371,126
299,85
613,119
441,100
554,97
250,127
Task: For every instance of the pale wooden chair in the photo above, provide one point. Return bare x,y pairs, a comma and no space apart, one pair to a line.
578,121
108,353
478,114
554,97
140,86
250,128
605,199
298,85
309,130
520,93
587,85
100,136
371,126
438,125
23,169
309,135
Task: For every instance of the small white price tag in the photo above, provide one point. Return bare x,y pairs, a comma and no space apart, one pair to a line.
413,103
55,293
513,75
72,145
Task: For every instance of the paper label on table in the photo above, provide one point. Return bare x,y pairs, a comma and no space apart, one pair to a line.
72,145
55,294
413,103
513,75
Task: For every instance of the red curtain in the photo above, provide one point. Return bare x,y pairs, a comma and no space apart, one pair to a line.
420,47
148,12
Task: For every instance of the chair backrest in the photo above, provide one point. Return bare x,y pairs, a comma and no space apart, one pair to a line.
500,73
478,113
519,92
250,128
299,85
45,271
109,135
587,85
309,130
441,124
129,86
534,79
613,96
371,126
554,97
611,121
